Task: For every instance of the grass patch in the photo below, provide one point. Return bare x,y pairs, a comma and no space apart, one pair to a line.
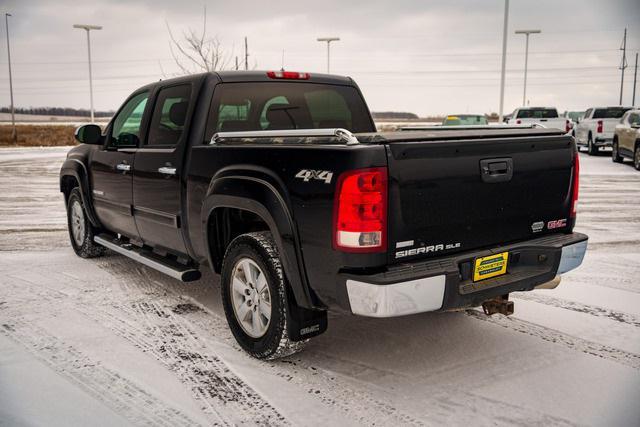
38,136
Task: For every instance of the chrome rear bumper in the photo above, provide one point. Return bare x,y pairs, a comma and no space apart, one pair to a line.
428,293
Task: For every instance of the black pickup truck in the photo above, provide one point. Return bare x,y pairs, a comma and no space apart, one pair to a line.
279,182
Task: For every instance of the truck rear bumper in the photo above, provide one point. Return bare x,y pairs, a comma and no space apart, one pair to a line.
603,141
445,283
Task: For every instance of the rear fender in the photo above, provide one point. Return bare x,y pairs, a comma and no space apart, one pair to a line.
259,194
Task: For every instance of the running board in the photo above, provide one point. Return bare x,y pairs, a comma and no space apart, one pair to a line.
170,268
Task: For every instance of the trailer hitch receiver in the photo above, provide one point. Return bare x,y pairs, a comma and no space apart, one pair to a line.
499,304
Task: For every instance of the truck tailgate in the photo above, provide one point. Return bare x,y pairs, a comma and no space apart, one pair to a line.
447,196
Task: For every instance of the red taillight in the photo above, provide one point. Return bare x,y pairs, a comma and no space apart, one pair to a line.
600,126
575,186
567,126
290,75
360,211
518,121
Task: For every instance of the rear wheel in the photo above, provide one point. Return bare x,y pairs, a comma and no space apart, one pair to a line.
254,297
615,155
636,157
591,147
81,232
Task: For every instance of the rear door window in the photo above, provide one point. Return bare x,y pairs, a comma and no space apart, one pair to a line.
169,116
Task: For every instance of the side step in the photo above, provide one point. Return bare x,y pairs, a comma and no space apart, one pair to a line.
166,266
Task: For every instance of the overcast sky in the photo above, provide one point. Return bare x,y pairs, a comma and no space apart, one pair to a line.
426,57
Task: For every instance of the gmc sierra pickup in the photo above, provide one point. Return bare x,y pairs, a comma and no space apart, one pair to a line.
278,182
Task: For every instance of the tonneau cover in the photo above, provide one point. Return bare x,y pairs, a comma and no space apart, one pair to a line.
455,134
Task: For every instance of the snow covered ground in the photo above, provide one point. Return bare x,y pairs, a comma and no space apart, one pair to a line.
111,342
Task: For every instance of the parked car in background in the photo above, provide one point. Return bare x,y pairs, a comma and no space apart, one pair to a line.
545,116
465,120
574,118
596,128
626,139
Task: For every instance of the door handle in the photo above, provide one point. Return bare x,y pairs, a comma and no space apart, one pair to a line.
123,167
166,170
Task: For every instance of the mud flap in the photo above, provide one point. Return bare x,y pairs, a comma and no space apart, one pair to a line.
303,323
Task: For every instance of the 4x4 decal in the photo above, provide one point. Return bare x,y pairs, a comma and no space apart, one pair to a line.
308,174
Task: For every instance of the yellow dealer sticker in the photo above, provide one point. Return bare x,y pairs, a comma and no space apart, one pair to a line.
490,266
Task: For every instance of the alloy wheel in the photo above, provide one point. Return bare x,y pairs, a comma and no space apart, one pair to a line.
251,298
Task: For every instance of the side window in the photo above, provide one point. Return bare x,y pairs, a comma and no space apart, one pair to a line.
169,116
587,114
126,126
626,118
328,109
634,119
234,117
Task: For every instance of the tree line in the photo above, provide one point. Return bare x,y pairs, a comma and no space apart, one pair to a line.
56,111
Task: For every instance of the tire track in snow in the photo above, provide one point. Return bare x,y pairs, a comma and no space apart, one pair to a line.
551,335
593,310
157,332
104,384
326,387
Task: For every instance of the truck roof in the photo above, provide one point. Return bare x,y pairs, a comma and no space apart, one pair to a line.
261,76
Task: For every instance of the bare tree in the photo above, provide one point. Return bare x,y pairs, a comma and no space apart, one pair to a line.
197,52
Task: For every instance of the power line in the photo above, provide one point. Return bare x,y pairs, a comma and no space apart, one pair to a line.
294,53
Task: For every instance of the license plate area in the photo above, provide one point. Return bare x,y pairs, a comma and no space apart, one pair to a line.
490,266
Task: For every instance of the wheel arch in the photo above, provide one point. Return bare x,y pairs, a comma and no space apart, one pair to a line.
74,174
262,199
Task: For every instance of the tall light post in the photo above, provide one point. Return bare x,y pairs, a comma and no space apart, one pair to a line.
504,58
526,59
14,134
88,28
328,40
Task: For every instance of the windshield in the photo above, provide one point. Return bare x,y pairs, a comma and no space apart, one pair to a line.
609,113
290,105
465,120
538,113
575,115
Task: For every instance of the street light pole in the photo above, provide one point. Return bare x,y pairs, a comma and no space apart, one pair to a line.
526,60
14,133
328,40
88,28
504,58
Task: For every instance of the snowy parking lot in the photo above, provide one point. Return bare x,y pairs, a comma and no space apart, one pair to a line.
110,342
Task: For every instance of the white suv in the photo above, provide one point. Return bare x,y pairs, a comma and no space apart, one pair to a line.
596,128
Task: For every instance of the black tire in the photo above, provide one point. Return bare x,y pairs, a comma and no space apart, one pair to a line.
259,248
592,149
615,154
636,156
82,243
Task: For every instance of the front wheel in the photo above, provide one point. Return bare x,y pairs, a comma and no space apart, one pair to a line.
615,155
253,290
81,232
636,157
